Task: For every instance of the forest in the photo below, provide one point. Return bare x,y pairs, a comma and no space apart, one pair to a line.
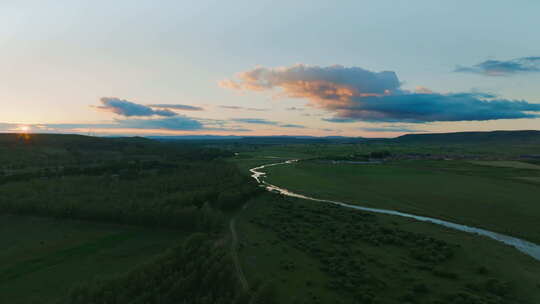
134,182
187,195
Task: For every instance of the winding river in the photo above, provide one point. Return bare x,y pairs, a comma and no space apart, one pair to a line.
526,247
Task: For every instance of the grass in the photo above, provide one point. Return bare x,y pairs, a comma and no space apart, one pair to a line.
530,179
483,150
507,164
264,258
318,253
480,196
41,259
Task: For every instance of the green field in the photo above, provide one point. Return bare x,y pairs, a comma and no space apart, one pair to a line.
481,196
508,164
494,146
41,259
311,252
530,179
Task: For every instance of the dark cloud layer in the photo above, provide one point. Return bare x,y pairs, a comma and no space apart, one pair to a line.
503,68
340,120
127,108
144,117
356,94
175,123
137,116
176,107
417,108
292,126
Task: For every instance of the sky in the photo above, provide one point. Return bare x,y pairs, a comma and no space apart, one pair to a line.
323,68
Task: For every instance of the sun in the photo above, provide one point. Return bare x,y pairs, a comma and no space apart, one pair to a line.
24,129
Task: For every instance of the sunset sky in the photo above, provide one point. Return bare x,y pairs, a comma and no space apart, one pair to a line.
348,68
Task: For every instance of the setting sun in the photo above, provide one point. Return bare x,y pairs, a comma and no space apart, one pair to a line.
24,129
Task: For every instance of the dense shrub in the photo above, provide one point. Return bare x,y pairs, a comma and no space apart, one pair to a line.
197,271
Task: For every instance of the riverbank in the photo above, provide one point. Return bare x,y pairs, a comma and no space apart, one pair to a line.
524,246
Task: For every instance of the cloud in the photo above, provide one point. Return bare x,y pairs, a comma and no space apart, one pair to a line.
422,90
313,82
224,129
503,68
294,109
262,121
292,126
340,120
259,121
356,94
138,124
170,123
5,126
391,129
99,128
312,114
418,108
127,108
177,107
242,108
175,123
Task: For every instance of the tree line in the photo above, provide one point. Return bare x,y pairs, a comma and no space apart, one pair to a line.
186,195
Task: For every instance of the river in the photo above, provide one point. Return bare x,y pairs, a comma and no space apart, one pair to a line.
526,247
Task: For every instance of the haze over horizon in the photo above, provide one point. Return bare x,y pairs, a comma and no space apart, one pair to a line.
360,68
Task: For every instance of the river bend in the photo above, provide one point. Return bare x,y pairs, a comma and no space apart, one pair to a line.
526,247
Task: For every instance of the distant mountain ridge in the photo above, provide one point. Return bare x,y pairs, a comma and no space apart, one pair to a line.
522,136
275,139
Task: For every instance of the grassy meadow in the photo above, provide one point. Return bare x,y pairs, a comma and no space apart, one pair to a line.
41,259
498,199
310,252
508,164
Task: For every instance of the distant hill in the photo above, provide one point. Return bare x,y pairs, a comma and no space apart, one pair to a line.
264,140
300,140
195,137
27,150
527,137
68,140
521,137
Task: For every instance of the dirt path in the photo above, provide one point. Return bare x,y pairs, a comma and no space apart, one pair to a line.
236,259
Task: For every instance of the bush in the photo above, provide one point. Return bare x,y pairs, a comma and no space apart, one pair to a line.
193,272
